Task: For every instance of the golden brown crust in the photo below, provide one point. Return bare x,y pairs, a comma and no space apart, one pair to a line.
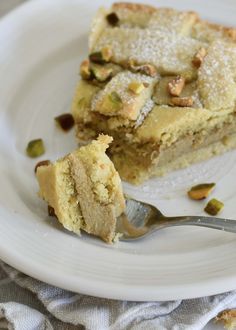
228,32
225,32
135,7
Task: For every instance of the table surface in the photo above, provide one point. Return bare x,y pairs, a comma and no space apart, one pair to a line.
5,7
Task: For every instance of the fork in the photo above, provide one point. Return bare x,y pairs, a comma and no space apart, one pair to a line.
141,219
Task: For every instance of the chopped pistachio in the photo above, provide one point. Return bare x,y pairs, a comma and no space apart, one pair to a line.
101,73
147,69
136,87
35,148
115,98
199,57
42,163
201,191
130,64
97,57
106,53
182,101
176,86
213,207
51,211
112,19
65,121
101,57
85,70
112,102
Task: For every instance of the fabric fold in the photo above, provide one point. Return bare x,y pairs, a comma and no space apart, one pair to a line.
77,311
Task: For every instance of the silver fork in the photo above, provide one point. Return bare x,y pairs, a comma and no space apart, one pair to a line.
142,219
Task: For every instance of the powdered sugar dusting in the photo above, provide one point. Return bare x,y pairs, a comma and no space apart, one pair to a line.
169,52
170,20
119,84
217,75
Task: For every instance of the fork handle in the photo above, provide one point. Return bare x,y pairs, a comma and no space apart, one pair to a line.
228,225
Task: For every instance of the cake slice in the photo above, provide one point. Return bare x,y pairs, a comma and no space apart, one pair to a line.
169,98
84,190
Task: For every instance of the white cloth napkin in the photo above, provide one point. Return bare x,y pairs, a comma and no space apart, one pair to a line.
28,304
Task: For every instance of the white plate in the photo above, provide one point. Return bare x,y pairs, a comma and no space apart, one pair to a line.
42,44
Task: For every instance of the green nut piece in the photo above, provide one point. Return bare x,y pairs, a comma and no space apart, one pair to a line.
201,191
65,121
101,57
112,102
136,87
213,207
147,69
112,19
35,148
115,98
101,73
97,58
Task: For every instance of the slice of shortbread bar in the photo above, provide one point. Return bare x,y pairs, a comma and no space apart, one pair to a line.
85,190
162,83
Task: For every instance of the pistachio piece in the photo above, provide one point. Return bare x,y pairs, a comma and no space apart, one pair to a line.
115,98
130,64
101,73
182,101
51,211
112,19
101,57
213,207
65,121
199,57
42,163
106,53
147,69
85,70
136,87
96,57
112,102
201,191
176,86
35,148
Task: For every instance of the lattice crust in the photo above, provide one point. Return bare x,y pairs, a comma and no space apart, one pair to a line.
131,15
170,20
162,82
178,46
170,40
216,78
169,53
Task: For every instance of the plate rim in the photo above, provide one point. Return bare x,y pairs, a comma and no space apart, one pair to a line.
115,292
